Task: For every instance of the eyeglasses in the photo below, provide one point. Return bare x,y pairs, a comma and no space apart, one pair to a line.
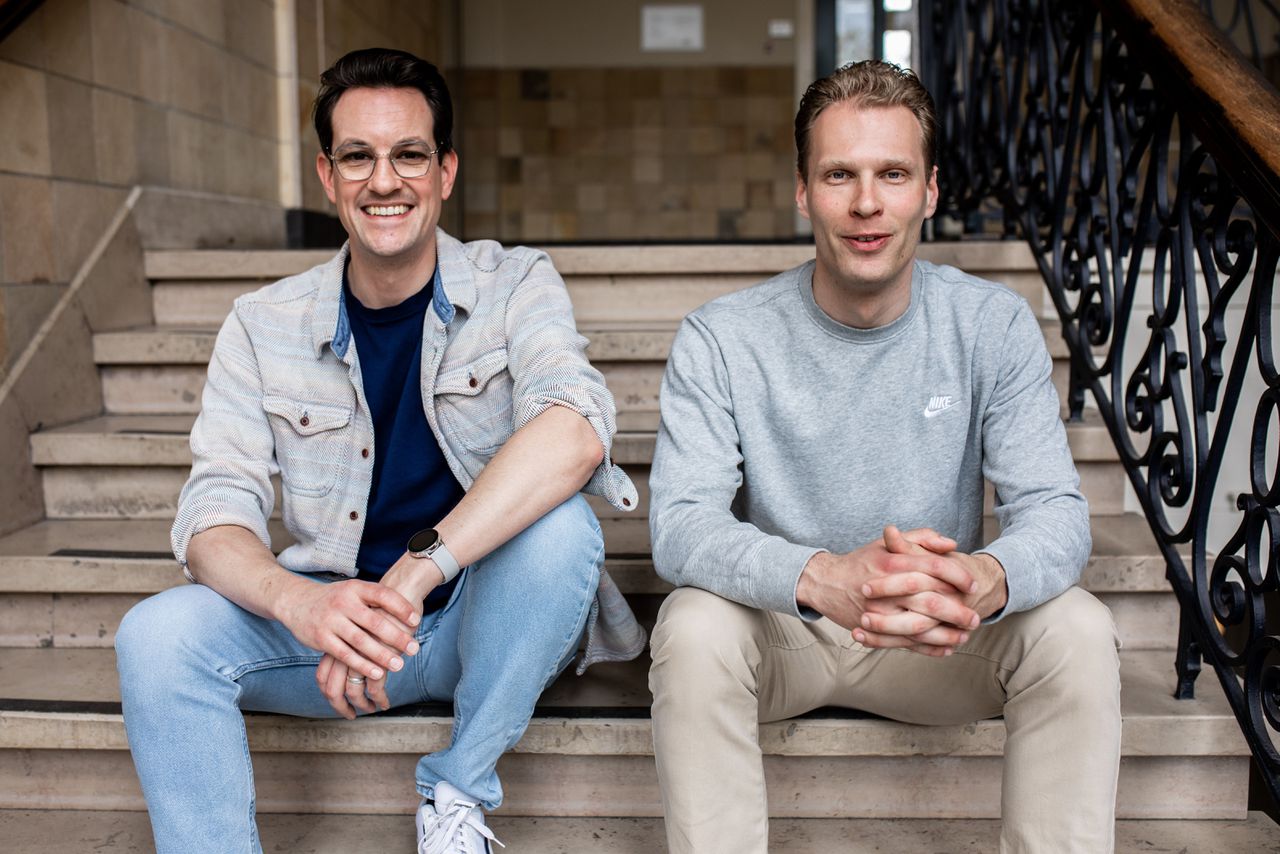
408,161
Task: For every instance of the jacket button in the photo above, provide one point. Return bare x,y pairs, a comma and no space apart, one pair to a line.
473,382
354,515
304,421
626,502
364,452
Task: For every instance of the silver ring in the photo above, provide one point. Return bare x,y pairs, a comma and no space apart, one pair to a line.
355,680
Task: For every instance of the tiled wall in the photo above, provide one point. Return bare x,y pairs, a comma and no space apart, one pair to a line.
99,95
581,154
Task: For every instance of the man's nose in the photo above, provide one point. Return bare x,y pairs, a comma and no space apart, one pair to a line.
865,201
384,179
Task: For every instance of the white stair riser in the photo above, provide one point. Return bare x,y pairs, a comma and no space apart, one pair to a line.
556,785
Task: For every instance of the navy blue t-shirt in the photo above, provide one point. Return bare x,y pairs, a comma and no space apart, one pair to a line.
412,487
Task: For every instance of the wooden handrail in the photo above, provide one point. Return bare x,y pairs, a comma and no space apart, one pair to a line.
1235,112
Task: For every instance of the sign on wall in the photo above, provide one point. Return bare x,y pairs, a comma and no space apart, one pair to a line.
671,28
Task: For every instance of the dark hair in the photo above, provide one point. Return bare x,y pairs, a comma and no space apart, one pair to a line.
383,68
871,83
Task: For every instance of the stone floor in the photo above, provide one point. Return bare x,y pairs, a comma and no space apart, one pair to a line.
65,832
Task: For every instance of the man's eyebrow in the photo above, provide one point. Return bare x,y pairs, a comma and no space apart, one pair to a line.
879,165
360,143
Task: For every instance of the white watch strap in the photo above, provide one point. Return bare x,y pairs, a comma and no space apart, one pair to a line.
445,560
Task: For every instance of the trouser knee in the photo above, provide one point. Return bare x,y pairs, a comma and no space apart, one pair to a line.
159,637
701,645
1072,641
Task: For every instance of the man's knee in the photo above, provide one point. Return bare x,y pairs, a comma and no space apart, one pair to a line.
700,639
155,631
1073,636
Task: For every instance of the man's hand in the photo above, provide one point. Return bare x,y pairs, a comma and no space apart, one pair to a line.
835,586
412,578
362,624
989,595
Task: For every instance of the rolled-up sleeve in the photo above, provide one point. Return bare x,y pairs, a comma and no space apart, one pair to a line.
232,448
549,367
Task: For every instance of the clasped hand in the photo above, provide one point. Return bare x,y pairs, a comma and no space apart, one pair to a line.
912,591
364,629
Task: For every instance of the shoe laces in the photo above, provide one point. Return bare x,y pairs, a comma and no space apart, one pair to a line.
449,832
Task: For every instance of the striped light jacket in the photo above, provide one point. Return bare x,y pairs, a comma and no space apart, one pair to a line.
284,395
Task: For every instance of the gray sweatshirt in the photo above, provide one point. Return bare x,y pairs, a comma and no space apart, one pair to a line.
785,433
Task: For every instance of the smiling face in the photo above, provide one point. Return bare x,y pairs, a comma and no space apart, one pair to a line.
867,192
391,220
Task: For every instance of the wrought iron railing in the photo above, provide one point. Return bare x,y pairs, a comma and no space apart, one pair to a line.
1153,213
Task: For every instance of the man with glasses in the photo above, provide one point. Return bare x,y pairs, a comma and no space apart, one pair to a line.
432,417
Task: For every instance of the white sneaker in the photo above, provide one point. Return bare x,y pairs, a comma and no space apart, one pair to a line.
453,825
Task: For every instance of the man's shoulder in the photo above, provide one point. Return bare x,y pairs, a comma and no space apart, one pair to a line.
490,257
965,294
756,303
295,289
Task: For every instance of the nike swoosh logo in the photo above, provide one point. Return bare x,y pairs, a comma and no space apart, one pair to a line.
939,405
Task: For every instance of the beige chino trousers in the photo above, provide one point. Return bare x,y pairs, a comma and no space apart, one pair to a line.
720,668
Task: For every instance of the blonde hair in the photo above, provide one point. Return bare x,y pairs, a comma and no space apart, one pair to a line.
871,83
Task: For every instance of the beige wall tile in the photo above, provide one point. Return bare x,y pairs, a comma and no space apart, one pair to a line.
205,17
151,137
26,229
261,95
72,141
24,121
156,61
68,37
82,213
249,27
195,77
114,123
115,32
24,308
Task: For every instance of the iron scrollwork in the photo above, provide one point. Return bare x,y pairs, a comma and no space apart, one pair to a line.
1163,277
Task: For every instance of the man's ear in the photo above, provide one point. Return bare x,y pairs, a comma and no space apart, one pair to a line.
448,174
931,194
324,168
802,196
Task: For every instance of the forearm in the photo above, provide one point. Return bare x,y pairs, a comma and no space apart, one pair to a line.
233,561
541,466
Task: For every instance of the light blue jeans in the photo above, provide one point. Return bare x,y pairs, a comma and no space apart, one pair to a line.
190,661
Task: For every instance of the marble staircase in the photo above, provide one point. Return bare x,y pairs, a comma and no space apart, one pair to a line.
110,485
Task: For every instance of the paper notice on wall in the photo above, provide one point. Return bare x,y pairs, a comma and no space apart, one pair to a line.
671,28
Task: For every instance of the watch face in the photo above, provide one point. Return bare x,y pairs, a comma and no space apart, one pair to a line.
423,540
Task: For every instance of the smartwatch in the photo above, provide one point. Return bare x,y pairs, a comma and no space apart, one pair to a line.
427,544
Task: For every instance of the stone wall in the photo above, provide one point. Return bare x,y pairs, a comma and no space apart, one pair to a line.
99,95
677,153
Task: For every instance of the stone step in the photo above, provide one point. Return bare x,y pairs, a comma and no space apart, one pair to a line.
127,465
198,287
74,832
67,583
588,752
162,371
151,492
609,342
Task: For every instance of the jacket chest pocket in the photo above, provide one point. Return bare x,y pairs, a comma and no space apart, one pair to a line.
311,444
473,402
